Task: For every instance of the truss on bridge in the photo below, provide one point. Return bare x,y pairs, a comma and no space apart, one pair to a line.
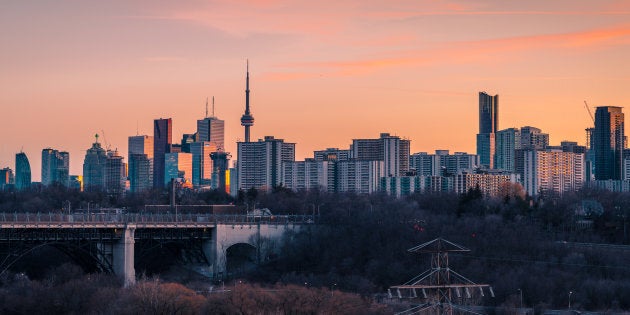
440,290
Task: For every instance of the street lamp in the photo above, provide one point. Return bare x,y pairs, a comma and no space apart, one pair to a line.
570,292
521,292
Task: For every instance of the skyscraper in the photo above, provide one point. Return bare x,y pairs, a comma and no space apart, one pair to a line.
608,142
247,120
55,167
49,164
201,162
6,178
220,166
114,174
141,144
162,140
94,167
211,129
488,126
140,173
22,171
210,140
178,166
187,140
140,163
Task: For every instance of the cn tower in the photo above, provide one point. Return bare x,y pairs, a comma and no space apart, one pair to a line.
247,120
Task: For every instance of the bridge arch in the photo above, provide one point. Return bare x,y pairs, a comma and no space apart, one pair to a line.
240,258
89,256
155,255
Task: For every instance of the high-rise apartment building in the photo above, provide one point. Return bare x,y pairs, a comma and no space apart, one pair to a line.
332,154
507,142
511,145
55,167
392,150
552,170
488,126
94,168
162,141
442,163
22,171
425,164
260,163
140,168
609,142
359,176
458,162
572,146
491,185
308,175
533,138
406,185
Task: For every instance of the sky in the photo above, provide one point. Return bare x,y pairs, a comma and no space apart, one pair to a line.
321,72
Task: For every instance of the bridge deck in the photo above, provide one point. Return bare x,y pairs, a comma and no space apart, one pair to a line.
140,220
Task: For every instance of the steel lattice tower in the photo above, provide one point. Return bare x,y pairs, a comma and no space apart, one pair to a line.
440,289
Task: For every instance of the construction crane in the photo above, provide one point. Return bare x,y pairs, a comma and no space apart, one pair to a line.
589,112
107,146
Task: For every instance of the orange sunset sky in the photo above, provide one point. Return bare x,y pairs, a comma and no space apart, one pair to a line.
322,72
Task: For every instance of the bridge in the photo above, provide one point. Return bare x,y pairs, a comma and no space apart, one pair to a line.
114,242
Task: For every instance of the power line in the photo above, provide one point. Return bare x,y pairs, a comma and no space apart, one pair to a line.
542,262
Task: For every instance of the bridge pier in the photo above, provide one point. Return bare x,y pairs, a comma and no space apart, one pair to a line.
209,248
262,237
123,260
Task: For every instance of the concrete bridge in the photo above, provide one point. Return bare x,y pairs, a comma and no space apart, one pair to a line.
115,242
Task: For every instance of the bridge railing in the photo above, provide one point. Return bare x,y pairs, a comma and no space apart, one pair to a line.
151,218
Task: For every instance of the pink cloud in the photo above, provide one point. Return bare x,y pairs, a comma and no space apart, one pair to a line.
477,51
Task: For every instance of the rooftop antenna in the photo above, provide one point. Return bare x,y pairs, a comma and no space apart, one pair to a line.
96,136
137,128
207,105
212,106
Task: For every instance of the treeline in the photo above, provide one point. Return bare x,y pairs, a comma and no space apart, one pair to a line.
66,290
57,197
516,243
359,244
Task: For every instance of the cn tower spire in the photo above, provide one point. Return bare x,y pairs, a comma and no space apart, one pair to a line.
247,120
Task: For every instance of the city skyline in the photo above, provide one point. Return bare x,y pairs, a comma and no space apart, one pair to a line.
317,79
